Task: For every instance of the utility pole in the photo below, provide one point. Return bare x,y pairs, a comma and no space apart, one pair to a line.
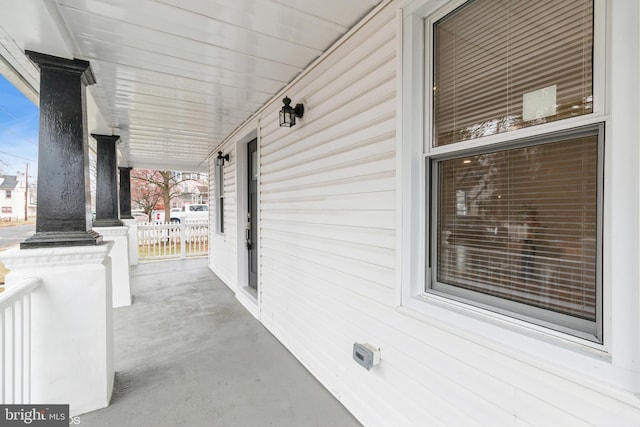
26,194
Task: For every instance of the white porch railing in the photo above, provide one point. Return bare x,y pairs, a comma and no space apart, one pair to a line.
175,240
15,342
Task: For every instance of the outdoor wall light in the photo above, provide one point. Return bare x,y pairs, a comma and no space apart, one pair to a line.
223,157
288,113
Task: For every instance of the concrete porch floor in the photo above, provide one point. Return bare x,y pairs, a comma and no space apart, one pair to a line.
188,354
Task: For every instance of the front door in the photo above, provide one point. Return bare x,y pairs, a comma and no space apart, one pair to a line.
252,213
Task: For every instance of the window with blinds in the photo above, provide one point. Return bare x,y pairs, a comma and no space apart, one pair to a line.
515,227
501,65
525,231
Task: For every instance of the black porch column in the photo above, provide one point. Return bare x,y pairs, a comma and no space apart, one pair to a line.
63,217
107,182
125,193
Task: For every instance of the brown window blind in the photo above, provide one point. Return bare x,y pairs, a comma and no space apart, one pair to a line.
501,65
521,225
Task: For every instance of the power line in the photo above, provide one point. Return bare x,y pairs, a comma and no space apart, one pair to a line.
30,141
8,113
18,157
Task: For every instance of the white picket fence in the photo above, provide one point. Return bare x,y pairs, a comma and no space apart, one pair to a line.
189,238
15,342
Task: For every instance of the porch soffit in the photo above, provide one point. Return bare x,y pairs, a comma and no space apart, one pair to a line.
175,77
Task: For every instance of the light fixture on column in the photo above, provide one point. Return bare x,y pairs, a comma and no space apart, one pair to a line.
288,113
223,157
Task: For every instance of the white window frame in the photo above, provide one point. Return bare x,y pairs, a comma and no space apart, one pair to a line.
415,149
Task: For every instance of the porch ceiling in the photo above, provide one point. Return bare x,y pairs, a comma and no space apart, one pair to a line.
174,77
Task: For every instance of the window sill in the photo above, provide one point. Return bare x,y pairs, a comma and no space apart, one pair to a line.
574,359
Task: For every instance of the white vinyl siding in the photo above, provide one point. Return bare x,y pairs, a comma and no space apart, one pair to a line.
328,209
222,260
328,184
329,257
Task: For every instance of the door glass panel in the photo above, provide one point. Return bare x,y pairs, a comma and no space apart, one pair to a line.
254,165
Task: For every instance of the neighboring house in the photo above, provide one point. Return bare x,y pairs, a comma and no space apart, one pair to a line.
12,198
194,190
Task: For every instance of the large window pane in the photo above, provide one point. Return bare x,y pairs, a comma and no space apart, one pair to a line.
521,225
501,65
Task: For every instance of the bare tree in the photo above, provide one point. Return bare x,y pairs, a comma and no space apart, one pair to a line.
144,193
153,187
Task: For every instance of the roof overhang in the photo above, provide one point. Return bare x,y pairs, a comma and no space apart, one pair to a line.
174,77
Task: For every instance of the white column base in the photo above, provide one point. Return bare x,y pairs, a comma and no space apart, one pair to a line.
71,323
133,240
120,263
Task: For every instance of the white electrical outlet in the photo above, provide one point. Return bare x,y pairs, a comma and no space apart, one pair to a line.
366,355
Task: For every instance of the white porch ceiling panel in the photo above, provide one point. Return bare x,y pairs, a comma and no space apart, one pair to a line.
175,77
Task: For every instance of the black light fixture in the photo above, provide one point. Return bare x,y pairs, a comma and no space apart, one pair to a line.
223,157
288,113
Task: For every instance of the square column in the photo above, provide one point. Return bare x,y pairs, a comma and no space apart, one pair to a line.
133,241
125,213
63,217
107,222
71,323
125,193
71,312
121,284
107,211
